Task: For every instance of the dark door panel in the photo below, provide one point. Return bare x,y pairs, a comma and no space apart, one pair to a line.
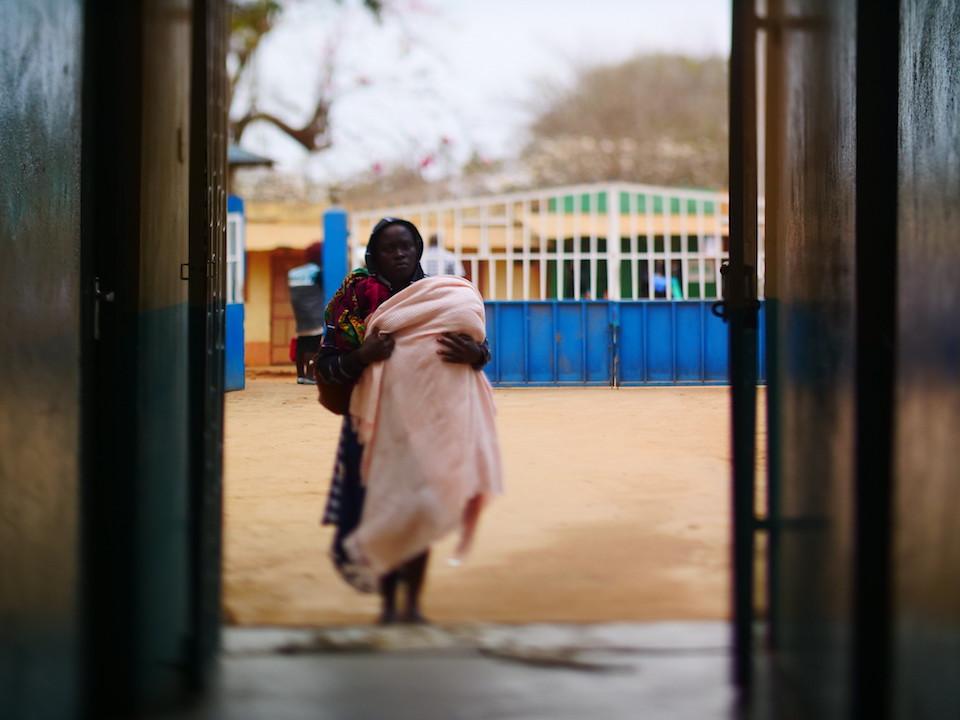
41,68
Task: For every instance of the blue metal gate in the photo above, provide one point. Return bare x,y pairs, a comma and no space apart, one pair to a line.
538,343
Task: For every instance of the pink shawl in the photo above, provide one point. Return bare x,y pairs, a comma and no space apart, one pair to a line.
431,455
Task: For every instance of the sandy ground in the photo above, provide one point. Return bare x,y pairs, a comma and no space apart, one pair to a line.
616,509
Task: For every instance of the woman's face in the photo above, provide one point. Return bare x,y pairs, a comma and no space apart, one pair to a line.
396,254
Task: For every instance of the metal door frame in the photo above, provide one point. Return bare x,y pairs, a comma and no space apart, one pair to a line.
740,307
207,318
111,173
110,251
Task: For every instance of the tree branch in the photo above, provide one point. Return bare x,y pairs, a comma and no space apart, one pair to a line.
243,58
251,20
313,136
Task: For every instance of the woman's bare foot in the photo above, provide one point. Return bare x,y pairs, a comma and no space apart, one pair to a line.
413,617
413,573
388,599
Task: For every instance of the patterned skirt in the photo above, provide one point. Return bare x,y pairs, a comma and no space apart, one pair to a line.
345,507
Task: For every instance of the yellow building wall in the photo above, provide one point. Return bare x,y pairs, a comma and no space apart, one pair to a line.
256,321
500,291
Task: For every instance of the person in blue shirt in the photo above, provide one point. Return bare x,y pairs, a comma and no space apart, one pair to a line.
306,296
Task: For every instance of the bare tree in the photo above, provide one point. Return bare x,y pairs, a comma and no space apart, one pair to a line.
655,118
251,21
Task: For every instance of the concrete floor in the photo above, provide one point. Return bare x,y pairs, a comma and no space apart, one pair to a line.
669,671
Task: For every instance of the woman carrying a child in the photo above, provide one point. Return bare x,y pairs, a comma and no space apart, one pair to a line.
418,456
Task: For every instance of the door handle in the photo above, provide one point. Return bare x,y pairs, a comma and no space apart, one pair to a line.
719,308
99,296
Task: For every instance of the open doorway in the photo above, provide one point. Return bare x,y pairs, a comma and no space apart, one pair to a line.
598,244
617,504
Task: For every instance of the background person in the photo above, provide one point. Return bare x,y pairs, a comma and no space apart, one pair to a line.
437,260
306,296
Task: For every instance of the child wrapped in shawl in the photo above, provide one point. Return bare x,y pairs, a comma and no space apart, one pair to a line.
347,352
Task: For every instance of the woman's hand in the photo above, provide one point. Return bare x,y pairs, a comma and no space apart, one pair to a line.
378,346
460,348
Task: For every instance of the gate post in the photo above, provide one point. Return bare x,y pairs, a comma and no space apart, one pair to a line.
613,243
233,358
335,251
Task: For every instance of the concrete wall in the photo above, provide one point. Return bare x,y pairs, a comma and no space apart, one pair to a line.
927,469
40,310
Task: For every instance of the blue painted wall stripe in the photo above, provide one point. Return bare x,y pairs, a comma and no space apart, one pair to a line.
233,367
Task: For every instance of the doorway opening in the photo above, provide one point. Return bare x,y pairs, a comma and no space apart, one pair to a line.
617,505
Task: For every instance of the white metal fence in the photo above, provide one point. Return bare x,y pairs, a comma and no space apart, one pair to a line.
668,243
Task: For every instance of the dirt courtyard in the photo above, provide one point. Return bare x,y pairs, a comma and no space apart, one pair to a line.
616,508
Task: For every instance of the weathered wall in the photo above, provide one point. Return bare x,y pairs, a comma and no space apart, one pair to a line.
811,299
40,73
927,447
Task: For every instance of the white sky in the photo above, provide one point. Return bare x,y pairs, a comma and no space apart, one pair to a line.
467,70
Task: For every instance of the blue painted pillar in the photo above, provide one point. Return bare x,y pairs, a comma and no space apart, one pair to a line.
234,364
335,253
